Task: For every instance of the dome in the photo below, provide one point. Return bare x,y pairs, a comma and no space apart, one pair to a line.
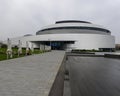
73,26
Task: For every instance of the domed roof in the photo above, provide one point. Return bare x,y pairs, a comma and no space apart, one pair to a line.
74,24
71,23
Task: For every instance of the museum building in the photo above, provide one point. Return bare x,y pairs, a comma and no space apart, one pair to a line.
70,35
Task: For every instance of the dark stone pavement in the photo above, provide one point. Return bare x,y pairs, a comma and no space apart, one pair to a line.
94,76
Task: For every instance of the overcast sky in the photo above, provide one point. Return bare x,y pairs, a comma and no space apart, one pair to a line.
20,17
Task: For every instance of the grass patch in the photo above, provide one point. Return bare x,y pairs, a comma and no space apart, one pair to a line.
3,55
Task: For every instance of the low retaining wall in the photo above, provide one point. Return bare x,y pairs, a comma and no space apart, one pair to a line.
112,56
58,85
76,54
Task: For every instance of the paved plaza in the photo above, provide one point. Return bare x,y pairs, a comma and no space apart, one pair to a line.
30,75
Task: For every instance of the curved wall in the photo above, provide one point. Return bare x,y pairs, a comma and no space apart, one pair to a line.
81,41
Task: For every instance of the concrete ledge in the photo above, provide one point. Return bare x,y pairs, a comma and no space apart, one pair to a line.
83,52
112,56
86,55
58,85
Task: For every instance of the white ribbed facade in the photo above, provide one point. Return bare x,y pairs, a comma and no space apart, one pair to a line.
70,35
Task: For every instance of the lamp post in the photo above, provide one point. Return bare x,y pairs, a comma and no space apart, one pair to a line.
32,47
50,44
19,48
27,48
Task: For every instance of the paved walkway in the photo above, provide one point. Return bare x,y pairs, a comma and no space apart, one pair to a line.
31,75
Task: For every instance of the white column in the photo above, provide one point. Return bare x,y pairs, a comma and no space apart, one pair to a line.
32,47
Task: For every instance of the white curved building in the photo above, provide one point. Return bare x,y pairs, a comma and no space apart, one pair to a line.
71,35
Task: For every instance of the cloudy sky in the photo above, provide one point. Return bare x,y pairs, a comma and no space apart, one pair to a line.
20,17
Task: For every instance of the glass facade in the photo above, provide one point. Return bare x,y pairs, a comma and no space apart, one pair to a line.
72,21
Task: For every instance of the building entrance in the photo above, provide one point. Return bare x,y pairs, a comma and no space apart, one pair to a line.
58,45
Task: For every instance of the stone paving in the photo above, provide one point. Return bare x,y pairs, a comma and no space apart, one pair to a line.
30,75
94,76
